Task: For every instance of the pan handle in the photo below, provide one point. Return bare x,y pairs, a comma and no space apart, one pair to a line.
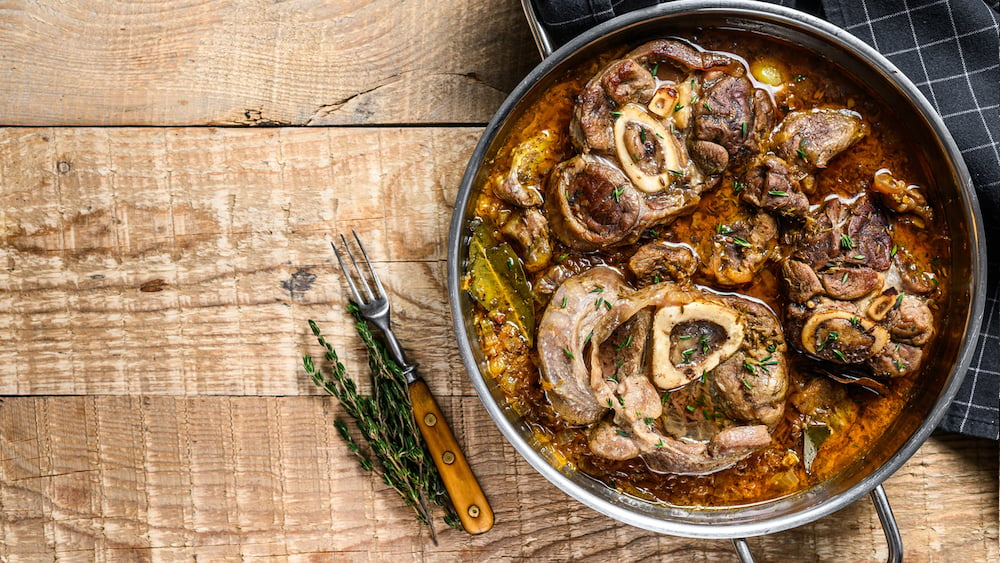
885,516
538,33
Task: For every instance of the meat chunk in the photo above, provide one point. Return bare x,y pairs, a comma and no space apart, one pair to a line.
563,335
771,184
621,82
732,114
812,138
531,162
739,249
591,204
697,348
663,261
529,229
847,306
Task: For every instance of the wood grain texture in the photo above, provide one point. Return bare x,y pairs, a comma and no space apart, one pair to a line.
187,261
236,478
256,62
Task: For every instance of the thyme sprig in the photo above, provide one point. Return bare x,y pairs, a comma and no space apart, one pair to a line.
396,452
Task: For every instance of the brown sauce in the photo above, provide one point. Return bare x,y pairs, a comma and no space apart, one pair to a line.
777,470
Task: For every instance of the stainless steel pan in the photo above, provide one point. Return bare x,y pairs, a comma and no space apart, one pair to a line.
956,198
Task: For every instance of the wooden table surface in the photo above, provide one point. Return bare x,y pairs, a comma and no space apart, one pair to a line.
170,176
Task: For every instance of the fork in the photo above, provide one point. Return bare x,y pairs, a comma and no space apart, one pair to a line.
470,502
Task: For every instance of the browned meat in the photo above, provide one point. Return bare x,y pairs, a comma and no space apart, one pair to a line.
663,261
670,337
591,204
901,197
897,360
773,185
801,281
811,139
844,233
610,442
529,229
837,331
910,321
848,284
740,249
733,115
671,55
563,335
751,384
619,83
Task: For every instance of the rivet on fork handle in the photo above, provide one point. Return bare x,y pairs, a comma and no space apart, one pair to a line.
470,502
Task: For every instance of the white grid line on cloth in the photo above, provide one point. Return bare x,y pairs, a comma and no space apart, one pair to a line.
972,89
990,314
990,144
940,41
960,75
869,20
920,54
991,184
971,110
871,29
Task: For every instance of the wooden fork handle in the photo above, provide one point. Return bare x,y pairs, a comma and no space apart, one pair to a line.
470,502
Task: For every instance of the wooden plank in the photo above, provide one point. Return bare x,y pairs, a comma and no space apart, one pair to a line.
253,62
187,261
166,478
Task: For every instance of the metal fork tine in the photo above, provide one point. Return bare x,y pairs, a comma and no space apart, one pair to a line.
361,275
347,274
378,282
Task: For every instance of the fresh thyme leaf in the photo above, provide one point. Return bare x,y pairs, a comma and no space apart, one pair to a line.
384,419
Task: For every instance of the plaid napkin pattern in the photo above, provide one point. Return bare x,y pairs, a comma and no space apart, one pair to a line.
951,50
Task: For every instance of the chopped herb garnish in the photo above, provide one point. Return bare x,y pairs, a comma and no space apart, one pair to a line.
616,113
690,408
660,443
598,303
562,257
739,241
778,193
642,134
843,279
656,67
589,336
568,353
748,366
685,337
892,253
686,355
801,153
627,343
597,289
675,172
617,193
800,77
678,107
743,128
704,344
846,242
658,135
607,305
859,256
738,187
747,384
656,278
564,300
899,299
839,354
723,229
900,366
855,321
623,433
706,106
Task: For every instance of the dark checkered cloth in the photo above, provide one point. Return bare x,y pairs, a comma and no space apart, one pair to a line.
951,50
